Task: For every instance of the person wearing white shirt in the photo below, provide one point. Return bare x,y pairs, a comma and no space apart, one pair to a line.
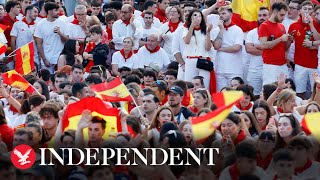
167,30
150,6
50,36
22,31
125,57
153,53
291,17
197,45
24,4
228,44
126,27
178,44
78,28
255,76
147,29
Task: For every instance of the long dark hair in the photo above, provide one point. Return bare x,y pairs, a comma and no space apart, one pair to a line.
2,116
69,50
45,89
260,103
203,25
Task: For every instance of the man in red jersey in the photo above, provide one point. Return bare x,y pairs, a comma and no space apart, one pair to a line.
305,65
274,43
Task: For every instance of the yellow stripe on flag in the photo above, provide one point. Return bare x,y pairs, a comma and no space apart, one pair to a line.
111,125
231,96
248,9
204,129
312,122
119,91
26,56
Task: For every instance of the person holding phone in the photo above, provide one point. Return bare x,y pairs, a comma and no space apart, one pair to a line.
228,42
198,45
274,43
305,66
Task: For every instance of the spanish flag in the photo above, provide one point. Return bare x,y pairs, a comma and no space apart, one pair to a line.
97,107
14,79
25,59
2,28
310,124
204,126
245,13
3,48
113,91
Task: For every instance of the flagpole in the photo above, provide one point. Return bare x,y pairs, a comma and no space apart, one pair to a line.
10,55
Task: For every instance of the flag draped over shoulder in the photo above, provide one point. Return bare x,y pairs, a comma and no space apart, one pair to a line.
97,107
14,79
3,48
245,13
310,125
2,28
113,91
25,59
204,126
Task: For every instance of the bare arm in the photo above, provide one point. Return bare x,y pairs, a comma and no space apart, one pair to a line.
218,41
253,49
188,37
208,40
13,43
39,42
115,70
232,49
265,44
61,61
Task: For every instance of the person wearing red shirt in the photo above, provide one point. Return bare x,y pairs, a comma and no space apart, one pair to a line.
274,43
6,132
161,10
305,65
12,9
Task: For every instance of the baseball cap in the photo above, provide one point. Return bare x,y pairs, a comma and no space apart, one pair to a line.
177,90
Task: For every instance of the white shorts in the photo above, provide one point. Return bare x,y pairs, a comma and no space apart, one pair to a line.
272,72
301,77
255,80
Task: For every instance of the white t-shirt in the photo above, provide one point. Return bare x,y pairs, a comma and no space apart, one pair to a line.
119,60
178,43
167,46
52,43
24,34
146,58
75,31
143,33
120,31
229,62
255,62
3,40
287,22
213,19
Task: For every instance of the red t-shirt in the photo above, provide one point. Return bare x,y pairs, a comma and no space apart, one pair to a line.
89,47
303,56
276,55
6,20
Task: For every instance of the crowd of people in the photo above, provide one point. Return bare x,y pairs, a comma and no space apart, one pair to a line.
172,56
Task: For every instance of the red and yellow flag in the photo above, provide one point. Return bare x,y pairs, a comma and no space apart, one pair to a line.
245,13
3,48
2,28
310,125
113,91
204,126
25,59
97,107
14,79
